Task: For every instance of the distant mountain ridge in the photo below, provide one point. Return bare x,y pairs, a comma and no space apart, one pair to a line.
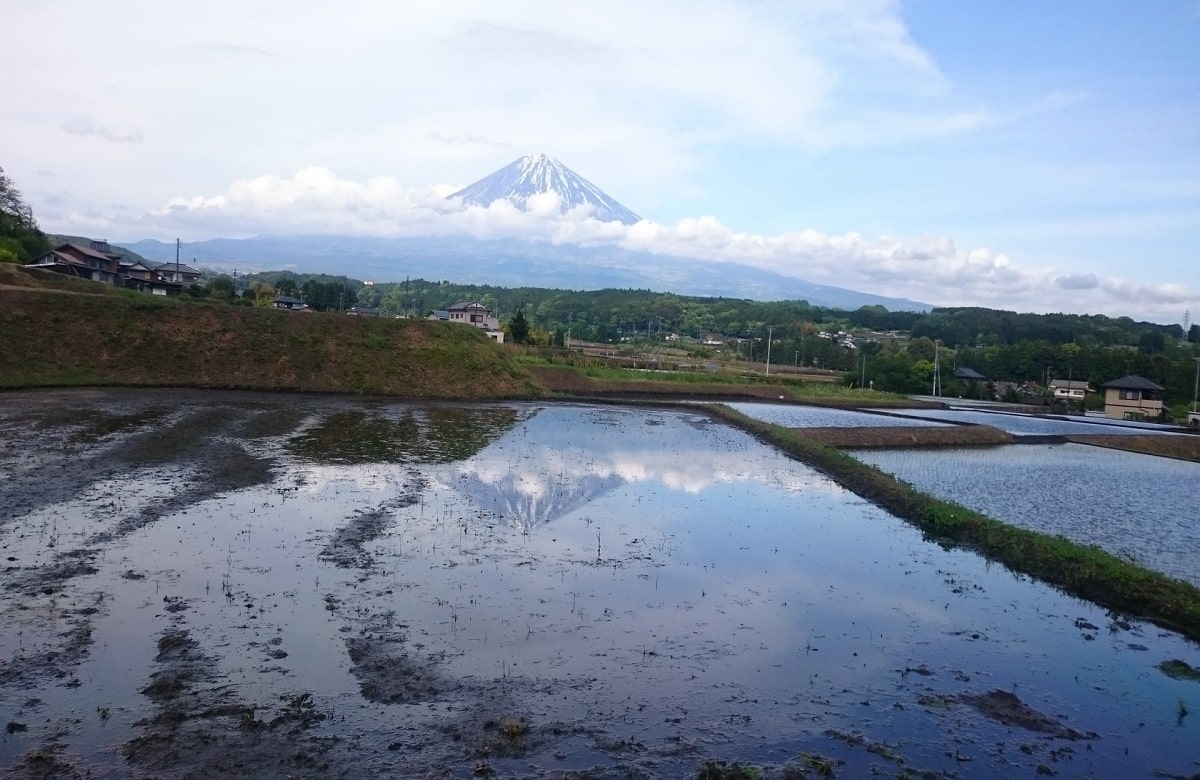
516,262
512,263
534,175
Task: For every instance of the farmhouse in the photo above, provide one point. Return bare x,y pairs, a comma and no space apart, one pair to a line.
1069,390
470,313
1132,398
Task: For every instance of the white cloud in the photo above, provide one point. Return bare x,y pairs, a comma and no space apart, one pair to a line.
930,267
761,111
86,125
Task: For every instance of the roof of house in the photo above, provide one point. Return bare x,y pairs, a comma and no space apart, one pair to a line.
87,252
1132,382
968,373
441,314
287,299
462,305
1069,384
183,268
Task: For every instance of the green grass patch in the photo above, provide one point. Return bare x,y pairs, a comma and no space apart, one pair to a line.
1179,670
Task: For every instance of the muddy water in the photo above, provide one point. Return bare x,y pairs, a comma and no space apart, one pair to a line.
208,584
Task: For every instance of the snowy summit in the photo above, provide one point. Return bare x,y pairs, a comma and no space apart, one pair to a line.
534,175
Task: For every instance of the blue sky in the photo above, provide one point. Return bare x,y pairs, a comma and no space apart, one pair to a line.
1023,155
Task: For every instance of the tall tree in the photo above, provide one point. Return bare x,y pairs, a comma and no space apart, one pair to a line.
20,237
518,327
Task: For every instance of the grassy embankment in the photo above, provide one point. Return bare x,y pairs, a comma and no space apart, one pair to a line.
1084,571
59,332
591,378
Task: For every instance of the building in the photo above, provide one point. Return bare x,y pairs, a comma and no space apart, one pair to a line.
289,303
178,273
96,262
1132,398
470,313
99,263
1069,390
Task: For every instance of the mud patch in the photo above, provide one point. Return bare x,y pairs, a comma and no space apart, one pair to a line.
388,672
346,547
202,729
1006,708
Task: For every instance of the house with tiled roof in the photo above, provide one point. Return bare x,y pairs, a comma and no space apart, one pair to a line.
470,313
1070,390
1132,397
95,262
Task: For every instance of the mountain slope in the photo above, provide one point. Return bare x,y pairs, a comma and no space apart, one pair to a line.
538,174
515,263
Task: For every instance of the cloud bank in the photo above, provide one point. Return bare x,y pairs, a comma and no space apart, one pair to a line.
930,268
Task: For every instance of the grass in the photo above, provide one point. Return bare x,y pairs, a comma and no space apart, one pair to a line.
68,333
1081,570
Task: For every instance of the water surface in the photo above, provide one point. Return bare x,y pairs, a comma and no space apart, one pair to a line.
641,590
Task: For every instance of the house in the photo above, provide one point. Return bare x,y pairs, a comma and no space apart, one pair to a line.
1132,398
969,374
473,313
1069,390
363,311
177,273
470,313
99,263
95,262
290,303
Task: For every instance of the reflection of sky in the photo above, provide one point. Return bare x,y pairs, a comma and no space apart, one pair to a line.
562,458
795,416
1130,504
1023,424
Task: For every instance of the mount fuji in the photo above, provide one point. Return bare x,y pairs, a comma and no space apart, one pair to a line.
520,262
537,174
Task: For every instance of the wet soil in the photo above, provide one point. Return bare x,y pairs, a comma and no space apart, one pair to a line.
1181,447
943,436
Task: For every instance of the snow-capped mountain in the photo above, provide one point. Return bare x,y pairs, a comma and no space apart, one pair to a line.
537,174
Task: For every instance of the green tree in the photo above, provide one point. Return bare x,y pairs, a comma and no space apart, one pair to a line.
19,232
221,288
518,328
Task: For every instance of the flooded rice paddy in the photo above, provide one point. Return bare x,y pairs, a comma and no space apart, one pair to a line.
797,416
1034,425
1139,507
215,584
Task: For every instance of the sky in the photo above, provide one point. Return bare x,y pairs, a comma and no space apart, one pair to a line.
1014,154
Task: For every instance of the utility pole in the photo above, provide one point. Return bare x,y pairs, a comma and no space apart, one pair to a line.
1196,385
770,329
178,278
937,368
862,384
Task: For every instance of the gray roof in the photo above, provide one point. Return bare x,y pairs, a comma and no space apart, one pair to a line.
1069,384
968,373
1133,382
183,268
